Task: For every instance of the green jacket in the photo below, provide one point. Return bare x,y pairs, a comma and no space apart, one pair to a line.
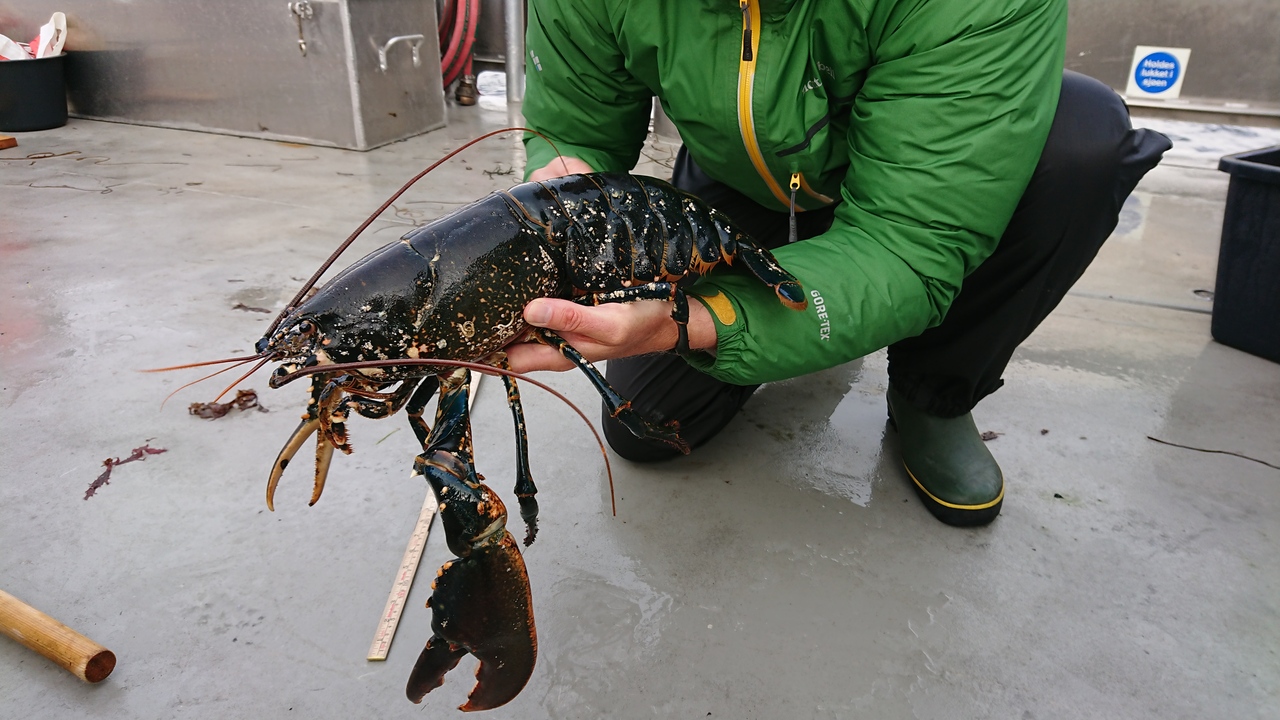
925,118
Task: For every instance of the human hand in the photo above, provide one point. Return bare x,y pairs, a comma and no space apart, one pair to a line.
605,332
560,167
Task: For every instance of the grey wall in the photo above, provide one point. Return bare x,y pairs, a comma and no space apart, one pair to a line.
1235,44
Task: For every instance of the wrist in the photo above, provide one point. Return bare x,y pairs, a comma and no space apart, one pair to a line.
560,167
702,329
661,332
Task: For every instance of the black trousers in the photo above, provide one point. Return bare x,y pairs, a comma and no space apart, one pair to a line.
1092,160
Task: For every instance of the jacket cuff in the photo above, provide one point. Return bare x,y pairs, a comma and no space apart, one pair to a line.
730,336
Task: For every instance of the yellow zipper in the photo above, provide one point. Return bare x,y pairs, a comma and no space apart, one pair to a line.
746,78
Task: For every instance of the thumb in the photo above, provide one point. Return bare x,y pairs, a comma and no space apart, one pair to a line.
551,313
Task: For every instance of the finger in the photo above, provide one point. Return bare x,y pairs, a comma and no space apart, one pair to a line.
531,357
564,316
608,326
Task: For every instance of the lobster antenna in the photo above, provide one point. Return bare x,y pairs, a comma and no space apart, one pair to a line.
242,377
478,367
315,277
206,363
239,362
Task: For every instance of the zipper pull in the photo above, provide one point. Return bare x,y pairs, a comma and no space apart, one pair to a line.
746,31
791,227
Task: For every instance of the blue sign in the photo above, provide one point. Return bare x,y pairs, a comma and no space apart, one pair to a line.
1157,72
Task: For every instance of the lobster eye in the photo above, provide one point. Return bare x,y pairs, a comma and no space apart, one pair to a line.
306,327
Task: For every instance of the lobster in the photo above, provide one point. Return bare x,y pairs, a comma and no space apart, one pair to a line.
418,314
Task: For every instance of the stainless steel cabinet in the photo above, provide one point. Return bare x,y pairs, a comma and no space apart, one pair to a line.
322,72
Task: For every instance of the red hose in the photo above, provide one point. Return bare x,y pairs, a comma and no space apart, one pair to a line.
446,20
463,61
449,56
457,57
471,14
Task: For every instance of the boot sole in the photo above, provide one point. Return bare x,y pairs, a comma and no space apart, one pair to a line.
956,515
949,513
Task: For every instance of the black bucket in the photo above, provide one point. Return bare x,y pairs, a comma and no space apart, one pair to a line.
33,94
1246,299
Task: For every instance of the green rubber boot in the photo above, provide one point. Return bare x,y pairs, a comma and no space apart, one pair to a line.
950,467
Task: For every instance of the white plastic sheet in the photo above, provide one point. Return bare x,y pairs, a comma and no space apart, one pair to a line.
48,43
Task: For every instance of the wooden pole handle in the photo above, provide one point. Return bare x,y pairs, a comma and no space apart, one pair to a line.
81,656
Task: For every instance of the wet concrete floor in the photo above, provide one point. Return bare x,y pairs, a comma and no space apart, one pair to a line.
786,570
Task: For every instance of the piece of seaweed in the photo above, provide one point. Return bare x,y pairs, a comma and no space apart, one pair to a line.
139,453
244,400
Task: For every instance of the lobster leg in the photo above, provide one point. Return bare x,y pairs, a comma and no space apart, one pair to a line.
333,409
737,247
418,403
652,291
617,406
526,491
376,408
480,603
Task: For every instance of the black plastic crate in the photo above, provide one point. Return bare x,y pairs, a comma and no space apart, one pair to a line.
1246,299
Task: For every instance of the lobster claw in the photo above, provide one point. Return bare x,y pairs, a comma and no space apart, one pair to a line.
324,457
481,605
480,602
325,418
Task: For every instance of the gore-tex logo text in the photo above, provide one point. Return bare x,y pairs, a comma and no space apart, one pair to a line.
824,330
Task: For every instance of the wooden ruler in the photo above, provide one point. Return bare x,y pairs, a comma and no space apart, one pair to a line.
404,581
390,618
